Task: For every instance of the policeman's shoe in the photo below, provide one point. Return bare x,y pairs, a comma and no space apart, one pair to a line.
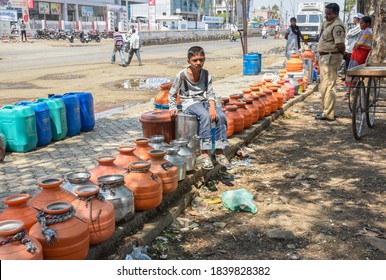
320,117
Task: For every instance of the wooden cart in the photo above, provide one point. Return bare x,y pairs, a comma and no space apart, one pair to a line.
366,95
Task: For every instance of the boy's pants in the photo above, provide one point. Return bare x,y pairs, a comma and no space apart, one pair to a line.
201,111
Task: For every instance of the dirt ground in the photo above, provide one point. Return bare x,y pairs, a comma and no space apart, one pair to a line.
320,195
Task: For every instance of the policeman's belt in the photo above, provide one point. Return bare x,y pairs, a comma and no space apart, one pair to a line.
324,53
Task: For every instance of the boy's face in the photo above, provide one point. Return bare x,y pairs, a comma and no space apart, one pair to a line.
197,61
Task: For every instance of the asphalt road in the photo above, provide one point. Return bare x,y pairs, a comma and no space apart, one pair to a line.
19,59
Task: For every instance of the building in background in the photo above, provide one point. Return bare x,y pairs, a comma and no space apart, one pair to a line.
263,15
106,14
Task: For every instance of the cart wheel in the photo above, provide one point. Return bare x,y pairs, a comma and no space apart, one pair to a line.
372,97
358,110
350,95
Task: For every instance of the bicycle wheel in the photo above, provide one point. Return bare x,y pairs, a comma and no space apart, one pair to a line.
358,110
372,96
350,98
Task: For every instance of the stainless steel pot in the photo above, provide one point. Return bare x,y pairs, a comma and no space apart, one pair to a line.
157,141
187,153
186,128
173,156
77,179
112,187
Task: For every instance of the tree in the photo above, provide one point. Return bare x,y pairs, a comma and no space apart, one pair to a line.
377,8
276,14
361,6
349,5
275,8
263,8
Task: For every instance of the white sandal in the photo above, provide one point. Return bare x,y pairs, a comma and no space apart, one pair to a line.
222,159
207,163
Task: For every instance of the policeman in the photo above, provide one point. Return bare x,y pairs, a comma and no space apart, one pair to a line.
331,48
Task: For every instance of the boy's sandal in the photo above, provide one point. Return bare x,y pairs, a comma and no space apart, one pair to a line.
222,159
207,163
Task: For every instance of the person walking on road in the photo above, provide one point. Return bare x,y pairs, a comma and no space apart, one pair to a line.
331,48
194,84
23,31
134,47
277,30
118,47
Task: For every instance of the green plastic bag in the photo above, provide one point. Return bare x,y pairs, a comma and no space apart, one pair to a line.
239,200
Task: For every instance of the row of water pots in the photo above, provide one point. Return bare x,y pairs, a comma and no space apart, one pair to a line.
55,224
64,218
261,99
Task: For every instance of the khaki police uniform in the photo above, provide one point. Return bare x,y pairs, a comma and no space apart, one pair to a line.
330,58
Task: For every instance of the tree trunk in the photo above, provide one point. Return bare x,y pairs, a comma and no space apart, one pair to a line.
378,53
361,6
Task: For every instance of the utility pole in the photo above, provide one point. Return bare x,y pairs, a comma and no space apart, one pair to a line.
199,9
281,11
227,16
245,27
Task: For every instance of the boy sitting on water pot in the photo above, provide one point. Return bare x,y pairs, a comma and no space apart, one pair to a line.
198,98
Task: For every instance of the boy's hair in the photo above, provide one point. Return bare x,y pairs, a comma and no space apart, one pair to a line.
116,29
196,50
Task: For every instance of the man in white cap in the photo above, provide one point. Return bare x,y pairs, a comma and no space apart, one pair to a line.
352,37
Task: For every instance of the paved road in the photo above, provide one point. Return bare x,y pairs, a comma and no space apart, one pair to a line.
19,59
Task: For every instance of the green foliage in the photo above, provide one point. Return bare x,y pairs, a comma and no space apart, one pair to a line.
275,8
349,5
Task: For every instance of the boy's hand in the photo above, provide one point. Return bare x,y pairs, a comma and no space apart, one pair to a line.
212,113
173,113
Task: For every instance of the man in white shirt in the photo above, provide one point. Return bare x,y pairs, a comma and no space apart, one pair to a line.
234,31
352,37
134,47
277,29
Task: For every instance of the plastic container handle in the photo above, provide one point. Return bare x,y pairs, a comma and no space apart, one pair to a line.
23,103
8,107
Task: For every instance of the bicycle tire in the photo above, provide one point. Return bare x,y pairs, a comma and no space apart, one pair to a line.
358,110
353,80
372,97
